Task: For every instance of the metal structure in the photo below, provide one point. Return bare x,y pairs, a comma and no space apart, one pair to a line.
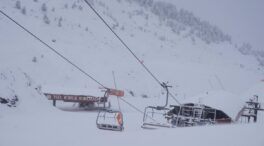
180,116
110,120
250,110
184,115
83,100
191,115
86,101
154,115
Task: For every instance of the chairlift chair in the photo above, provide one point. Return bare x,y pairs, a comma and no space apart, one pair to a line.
110,120
155,116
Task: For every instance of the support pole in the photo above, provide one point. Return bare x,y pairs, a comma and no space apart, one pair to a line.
54,103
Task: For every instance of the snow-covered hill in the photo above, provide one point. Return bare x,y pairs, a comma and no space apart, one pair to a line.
193,55
170,48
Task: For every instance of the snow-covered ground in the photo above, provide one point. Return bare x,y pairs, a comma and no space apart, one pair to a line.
239,18
198,59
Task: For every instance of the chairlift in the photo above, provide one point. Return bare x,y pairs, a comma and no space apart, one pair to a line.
110,120
191,115
154,115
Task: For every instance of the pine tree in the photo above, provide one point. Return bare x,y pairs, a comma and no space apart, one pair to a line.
46,19
44,7
18,5
24,11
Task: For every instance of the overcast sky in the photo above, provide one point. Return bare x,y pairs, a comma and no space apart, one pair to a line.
242,19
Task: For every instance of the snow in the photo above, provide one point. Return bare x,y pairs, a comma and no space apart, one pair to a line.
239,18
78,129
196,70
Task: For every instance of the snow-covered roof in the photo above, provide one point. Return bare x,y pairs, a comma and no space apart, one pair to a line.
221,100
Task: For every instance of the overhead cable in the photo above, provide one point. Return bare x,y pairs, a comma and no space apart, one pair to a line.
126,46
52,49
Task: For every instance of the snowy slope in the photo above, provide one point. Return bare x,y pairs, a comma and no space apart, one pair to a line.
191,64
239,18
183,57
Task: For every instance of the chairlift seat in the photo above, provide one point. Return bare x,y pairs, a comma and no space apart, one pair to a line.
110,120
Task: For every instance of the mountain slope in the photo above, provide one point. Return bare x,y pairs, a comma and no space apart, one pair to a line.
81,33
194,56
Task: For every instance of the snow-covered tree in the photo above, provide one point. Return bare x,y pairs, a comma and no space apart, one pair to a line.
245,49
34,59
179,20
44,7
59,22
18,4
24,11
46,19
